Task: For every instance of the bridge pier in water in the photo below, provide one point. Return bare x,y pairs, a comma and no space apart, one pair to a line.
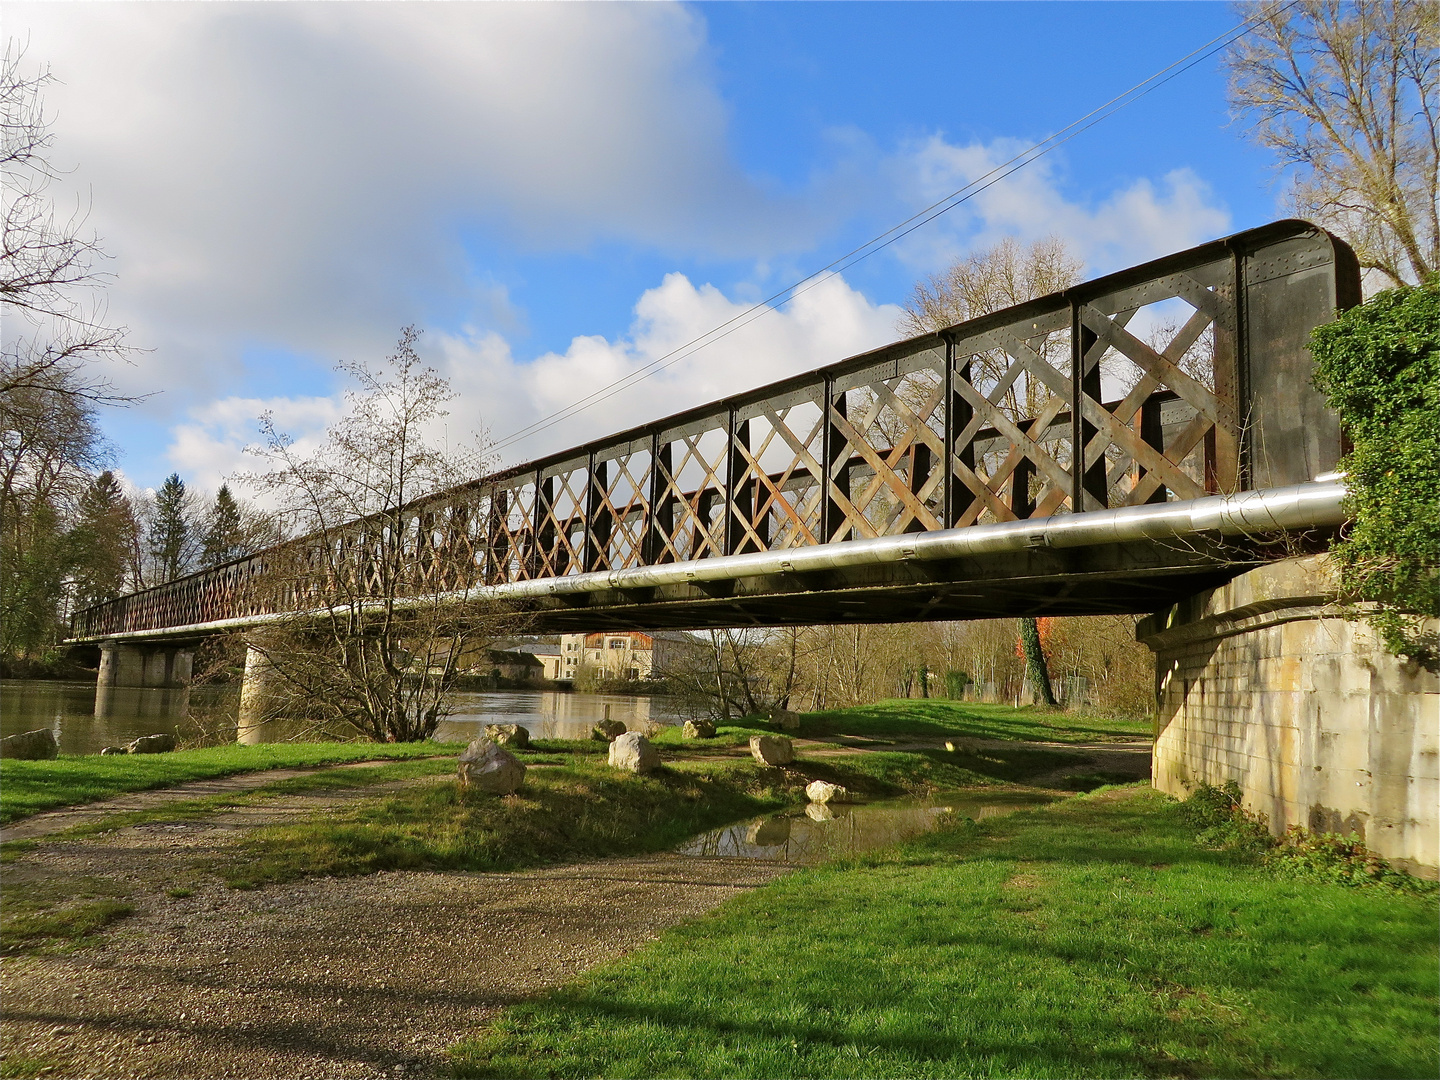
1264,682
124,669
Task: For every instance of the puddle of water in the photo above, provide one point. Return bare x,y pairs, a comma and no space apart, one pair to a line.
818,833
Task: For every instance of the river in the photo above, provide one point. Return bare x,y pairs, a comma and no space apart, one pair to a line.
68,709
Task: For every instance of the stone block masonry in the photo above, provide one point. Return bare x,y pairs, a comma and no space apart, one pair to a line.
1264,682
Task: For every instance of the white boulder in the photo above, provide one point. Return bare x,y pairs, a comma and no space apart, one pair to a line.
508,735
633,752
785,720
152,744
699,729
608,730
487,767
819,791
772,749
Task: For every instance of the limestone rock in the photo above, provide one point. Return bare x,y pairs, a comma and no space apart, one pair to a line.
608,730
699,729
772,749
785,720
487,767
112,750
37,745
152,744
633,751
819,791
508,735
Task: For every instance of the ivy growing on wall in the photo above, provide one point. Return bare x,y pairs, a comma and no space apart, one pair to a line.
1379,366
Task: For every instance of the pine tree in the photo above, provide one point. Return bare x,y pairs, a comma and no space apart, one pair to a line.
99,545
172,532
224,530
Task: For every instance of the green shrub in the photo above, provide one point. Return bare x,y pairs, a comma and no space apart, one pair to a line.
1222,822
1379,366
1341,859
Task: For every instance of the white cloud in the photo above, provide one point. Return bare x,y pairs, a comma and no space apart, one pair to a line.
298,179
499,393
299,175
1140,221
210,446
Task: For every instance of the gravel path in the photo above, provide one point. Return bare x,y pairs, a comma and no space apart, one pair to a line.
324,977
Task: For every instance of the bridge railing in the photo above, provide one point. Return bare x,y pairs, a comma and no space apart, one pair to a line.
1183,377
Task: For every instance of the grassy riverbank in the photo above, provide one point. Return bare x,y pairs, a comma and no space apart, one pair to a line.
932,718
581,810
1093,937
28,787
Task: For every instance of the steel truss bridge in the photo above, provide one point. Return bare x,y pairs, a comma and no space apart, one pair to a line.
1109,448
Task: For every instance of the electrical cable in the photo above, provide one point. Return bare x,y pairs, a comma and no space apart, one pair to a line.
890,236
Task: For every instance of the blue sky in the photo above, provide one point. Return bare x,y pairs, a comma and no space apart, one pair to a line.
560,193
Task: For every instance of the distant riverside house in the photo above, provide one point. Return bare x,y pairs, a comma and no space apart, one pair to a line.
625,655
518,664
550,656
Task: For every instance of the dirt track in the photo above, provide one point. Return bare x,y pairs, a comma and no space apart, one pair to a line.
324,977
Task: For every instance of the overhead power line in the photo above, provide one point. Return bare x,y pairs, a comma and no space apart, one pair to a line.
889,236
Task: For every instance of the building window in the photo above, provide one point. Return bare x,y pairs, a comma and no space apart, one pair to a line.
617,643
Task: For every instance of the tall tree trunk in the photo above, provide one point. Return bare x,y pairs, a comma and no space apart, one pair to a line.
1035,659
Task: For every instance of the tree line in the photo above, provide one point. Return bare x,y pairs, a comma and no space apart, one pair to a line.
731,673
72,535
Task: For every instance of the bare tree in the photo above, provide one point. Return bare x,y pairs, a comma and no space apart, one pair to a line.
987,281
1348,97
55,327
382,626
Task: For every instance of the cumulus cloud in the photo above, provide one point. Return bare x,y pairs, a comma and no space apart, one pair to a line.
498,395
209,447
300,174
1142,220
299,180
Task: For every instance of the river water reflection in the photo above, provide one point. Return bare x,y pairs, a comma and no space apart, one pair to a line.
818,833
69,710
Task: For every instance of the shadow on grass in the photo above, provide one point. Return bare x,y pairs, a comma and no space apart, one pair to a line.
580,810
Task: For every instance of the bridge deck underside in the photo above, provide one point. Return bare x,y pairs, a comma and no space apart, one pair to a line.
1115,579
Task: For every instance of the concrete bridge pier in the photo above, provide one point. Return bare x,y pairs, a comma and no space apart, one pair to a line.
1263,682
126,668
257,695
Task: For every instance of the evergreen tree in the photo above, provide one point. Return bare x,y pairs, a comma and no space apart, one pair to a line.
172,533
99,545
224,530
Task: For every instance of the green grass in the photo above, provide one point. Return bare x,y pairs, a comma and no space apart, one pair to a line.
940,718
28,787
58,914
583,810
1093,937
189,809
898,719
26,1068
